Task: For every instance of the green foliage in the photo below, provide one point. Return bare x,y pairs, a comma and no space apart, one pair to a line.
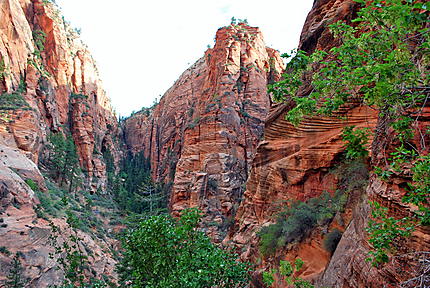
268,277
70,256
13,101
331,240
32,184
356,140
384,67
352,175
286,271
78,96
4,250
383,230
293,224
14,278
376,66
3,70
419,190
194,123
162,252
49,202
133,188
63,161
39,38
110,165
46,2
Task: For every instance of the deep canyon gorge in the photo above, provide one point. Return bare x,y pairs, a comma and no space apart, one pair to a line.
216,140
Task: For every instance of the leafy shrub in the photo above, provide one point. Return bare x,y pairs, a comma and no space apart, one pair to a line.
366,70
331,240
383,230
356,140
15,278
32,184
162,252
352,175
4,250
268,277
286,274
293,224
13,101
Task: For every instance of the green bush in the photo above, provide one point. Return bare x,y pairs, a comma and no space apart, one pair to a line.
162,252
4,250
32,184
13,101
15,278
356,140
293,224
331,240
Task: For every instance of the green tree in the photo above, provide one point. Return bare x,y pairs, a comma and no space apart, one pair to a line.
14,278
64,161
286,273
70,256
163,252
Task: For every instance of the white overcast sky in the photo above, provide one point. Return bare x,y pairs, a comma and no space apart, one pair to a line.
142,47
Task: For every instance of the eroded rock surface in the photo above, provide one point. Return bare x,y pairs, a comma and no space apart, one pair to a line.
48,83
203,134
61,87
296,163
23,232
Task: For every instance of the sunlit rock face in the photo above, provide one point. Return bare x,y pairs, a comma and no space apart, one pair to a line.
49,85
66,70
23,231
297,163
203,134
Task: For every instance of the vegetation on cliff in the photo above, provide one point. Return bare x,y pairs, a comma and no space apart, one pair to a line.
163,252
385,67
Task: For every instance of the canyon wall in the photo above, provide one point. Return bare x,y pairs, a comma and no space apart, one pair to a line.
44,62
48,84
300,163
203,134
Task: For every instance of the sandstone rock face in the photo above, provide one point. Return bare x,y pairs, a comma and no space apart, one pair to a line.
348,267
48,83
22,231
203,134
294,163
51,82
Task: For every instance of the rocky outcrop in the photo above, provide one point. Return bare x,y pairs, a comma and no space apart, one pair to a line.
348,266
44,62
293,163
297,163
23,232
48,84
203,134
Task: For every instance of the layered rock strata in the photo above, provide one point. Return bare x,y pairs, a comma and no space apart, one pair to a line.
203,134
296,163
44,61
22,231
48,84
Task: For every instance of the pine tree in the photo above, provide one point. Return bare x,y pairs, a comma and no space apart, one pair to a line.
14,279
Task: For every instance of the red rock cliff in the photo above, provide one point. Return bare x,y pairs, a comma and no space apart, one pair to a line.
53,70
48,83
295,163
203,134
